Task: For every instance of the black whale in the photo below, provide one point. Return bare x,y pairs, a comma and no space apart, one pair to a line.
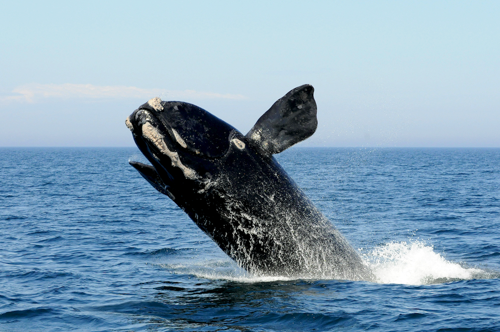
231,186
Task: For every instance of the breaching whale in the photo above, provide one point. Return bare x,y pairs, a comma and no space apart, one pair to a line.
233,188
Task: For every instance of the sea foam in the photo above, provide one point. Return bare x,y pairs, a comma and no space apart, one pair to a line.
415,263
406,262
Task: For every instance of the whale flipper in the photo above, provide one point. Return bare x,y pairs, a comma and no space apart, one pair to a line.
290,120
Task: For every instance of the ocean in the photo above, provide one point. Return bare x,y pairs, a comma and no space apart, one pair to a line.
86,244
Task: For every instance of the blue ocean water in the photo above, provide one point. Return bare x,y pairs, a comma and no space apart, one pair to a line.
87,244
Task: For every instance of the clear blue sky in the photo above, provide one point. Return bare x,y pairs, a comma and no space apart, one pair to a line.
386,73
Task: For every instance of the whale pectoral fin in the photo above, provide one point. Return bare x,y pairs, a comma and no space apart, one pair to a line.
149,173
290,120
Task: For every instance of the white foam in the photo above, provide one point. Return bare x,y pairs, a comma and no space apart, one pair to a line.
220,270
411,263
415,263
244,278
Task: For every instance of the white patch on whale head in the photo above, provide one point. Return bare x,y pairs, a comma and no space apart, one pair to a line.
239,144
154,136
179,139
155,103
129,124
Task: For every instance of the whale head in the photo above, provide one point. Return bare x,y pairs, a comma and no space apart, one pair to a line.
181,141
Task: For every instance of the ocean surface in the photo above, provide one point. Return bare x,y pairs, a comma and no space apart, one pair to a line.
87,244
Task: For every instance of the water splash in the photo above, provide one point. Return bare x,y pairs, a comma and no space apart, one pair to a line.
222,269
416,263
410,263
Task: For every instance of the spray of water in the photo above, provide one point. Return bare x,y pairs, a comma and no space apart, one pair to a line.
415,263
408,262
221,270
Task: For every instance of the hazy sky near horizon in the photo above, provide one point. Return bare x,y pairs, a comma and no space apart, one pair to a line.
386,73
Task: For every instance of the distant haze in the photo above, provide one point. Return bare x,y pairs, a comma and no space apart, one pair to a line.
386,73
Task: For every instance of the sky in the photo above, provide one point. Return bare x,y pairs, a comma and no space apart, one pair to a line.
386,73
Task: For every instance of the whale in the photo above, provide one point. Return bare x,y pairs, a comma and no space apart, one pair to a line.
237,193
